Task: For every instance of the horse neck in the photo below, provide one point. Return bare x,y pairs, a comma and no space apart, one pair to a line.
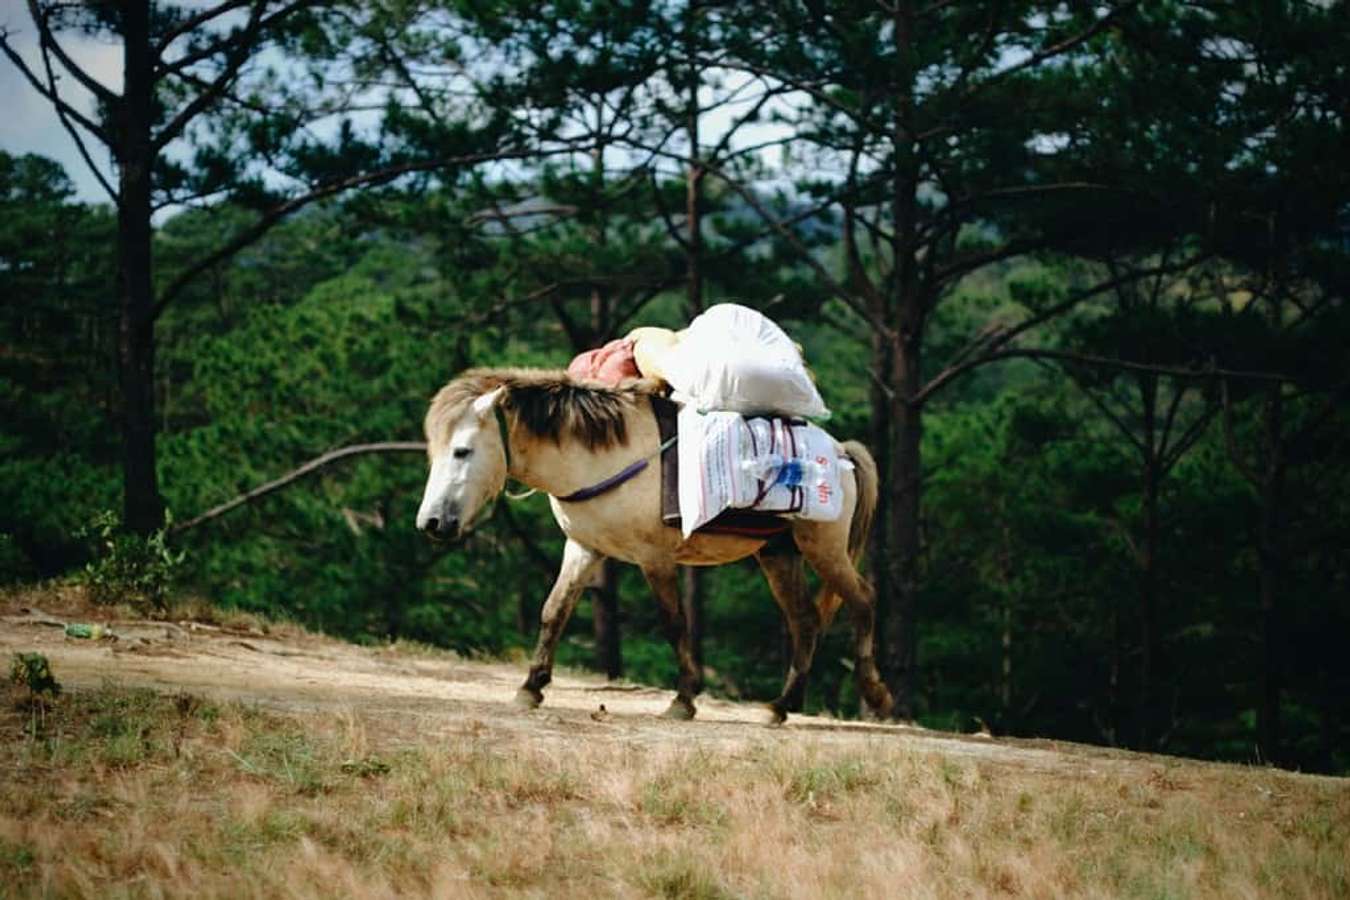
561,469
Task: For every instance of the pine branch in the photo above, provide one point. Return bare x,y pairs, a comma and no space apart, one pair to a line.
196,21
1054,50
1106,362
1002,339
244,44
322,192
48,41
296,474
75,135
51,95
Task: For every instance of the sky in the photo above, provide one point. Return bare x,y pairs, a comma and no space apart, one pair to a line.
28,124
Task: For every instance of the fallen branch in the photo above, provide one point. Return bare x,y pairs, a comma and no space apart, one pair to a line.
310,467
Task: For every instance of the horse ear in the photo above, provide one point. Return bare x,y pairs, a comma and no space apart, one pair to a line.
483,405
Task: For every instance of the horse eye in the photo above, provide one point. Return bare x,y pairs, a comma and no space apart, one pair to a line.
463,452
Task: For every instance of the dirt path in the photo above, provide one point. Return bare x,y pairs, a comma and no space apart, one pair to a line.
419,697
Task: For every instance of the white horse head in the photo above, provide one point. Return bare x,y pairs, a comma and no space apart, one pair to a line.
468,466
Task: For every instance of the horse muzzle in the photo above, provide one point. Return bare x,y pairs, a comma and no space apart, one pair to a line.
441,528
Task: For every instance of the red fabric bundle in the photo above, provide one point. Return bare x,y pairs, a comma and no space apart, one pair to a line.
609,364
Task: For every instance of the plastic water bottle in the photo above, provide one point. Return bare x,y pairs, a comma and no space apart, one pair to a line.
771,467
791,473
763,467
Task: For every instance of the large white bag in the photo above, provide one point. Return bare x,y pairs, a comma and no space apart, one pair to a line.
734,358
770,465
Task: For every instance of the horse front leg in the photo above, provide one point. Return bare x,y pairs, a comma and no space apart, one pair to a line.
578,565
665,585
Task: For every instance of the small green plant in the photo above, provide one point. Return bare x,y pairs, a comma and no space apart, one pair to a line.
33,671
129,568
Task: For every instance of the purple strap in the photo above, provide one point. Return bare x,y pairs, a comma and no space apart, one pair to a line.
607,485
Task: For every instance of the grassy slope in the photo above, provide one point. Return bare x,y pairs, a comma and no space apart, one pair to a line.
119,791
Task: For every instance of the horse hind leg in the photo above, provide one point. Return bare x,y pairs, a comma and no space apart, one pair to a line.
664,583
579,562
861,599
843,583
782,566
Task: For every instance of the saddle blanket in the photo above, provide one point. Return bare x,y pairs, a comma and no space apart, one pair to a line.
769,465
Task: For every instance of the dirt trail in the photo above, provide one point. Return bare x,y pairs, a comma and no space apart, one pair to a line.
423,697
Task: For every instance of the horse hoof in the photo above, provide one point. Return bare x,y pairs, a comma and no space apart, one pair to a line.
528,698
776,716
880,702
680,710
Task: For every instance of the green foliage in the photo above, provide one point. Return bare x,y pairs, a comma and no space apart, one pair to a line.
57,440
34,672
129,568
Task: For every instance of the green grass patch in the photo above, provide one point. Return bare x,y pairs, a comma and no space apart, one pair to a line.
15,859
824,781
288,756
675,877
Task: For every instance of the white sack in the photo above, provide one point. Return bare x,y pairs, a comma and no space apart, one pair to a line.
768,465
809,487
734,358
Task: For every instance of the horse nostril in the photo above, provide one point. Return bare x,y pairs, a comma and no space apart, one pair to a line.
451,526
429,527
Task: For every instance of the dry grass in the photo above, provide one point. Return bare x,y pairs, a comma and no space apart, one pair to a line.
132,793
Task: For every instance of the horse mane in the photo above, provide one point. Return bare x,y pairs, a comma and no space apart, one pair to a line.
549,403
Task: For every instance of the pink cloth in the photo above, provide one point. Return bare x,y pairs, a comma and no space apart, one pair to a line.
609,364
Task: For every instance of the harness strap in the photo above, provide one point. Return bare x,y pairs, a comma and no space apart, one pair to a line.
618,478
585,493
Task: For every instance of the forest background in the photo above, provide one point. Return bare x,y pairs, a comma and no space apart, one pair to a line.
1075,272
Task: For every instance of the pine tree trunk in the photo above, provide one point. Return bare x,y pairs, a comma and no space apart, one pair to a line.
1271,561
605,597
605,615
880,547
1148,567
904,379
1006,636
902,501
1148,577
143,510
691,581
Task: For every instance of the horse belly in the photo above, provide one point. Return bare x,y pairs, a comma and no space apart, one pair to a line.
714,549
635,535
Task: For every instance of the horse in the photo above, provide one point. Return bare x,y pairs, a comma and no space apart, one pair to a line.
559,435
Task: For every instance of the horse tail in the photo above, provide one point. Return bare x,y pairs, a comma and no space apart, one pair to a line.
865,510
860,528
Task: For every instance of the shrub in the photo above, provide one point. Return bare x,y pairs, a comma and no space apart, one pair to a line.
129,568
